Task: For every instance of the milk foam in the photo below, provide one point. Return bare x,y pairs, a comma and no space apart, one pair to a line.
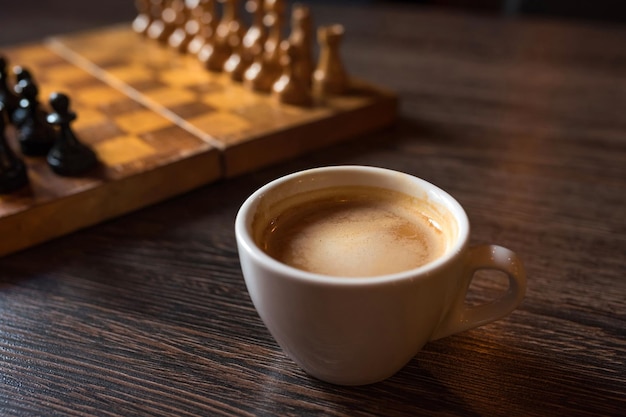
355,231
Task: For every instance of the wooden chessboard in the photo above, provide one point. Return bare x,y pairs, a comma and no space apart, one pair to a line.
160,125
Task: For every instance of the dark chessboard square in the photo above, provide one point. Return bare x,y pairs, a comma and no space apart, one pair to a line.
81,83
112,62
192,109
125,106
206,88
146,84
99,132
46,61
171,139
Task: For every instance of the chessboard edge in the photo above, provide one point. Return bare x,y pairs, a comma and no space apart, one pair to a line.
317,135
64,216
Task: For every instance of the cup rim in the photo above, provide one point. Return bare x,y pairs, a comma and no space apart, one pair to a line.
246,241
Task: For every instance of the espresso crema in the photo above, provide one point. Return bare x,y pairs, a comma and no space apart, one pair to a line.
354,232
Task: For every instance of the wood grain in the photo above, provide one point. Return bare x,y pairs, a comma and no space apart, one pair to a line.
521,121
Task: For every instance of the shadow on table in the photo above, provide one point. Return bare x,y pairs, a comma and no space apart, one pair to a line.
477,373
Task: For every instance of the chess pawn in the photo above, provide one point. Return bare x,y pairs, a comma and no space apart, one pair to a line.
21,73
184,34
205,16
228,34
68,156
256,78
144,17
35,136
252,41
153,20
236,65
8,99
274,20
13,174
266,68
330,76
302,38
172,17
291,87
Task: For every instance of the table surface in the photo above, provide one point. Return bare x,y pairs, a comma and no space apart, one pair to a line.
522,121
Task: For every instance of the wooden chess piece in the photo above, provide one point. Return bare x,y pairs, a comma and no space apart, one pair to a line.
179,39
252,41
144,17
254,78
291,87
266,69
274,19
206,17
228,34
301,38
35,136
172,17
8,98
184,34
13,174
155,25
330,76
68,156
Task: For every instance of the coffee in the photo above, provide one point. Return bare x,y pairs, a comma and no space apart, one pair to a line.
352,231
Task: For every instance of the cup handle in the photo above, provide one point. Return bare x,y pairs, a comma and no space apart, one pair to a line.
462,317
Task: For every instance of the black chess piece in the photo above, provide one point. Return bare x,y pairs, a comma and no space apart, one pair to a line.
7,97
35,136
68,156
21,73
13,174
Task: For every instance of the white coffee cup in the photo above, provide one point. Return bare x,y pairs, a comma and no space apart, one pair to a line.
353,330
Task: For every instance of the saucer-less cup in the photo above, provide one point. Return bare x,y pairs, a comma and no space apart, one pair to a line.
355,331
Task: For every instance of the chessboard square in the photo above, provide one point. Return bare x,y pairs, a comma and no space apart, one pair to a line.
233,98
116,108
64,74
173,140
98,94
192,109
98,132
107,61
302,115
141,121
122,149
131,73
220,124
37,56
268,115
146,84
170,96
211,87
82,84
88,117
185,76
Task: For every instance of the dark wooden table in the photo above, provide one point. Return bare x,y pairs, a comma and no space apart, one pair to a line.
524,122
